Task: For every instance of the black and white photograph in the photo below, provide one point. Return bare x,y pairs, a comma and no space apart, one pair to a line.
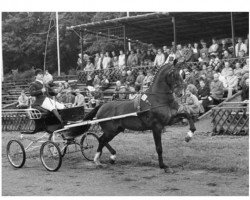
125,101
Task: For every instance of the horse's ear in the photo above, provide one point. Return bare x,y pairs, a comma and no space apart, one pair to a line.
175,62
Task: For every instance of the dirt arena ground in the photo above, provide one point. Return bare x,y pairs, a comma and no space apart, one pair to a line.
207,165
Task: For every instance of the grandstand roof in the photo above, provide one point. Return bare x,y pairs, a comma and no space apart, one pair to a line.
157,28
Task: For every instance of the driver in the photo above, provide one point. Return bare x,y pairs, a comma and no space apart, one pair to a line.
43,95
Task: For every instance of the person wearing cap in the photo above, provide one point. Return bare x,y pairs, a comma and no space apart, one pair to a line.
79,99
47,77
43,94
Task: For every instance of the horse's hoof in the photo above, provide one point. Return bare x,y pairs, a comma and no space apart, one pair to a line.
187,138
112,161
168,170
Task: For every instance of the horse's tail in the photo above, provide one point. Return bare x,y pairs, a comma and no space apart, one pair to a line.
76,131
92,113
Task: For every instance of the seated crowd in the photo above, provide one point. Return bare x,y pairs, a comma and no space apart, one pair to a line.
212,74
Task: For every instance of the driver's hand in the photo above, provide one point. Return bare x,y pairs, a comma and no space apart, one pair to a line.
43,90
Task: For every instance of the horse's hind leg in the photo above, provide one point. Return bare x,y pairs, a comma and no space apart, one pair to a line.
103,141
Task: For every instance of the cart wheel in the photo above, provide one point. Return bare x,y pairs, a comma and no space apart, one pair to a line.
61,145
89,144
16,153
50,155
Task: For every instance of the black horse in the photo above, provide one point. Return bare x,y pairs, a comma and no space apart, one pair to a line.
158,108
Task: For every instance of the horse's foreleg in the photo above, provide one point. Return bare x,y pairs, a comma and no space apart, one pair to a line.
191,125
158,145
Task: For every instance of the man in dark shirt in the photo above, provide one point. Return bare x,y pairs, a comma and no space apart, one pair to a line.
43,95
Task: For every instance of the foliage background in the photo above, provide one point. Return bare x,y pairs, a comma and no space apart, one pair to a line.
24,39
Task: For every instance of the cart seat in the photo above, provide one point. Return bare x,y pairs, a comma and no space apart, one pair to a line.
72,114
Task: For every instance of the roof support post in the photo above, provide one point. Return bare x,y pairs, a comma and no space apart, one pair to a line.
232,28
81,40
129,44
124,39
174,29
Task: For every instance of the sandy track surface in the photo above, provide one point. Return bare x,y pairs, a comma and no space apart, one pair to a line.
207,165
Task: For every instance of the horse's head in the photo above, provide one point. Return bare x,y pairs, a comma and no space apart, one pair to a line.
174,78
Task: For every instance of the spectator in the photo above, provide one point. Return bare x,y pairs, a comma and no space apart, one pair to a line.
213,49
204,48
47,78
97,81
96,62
179,54
204,69
246,67
245,91
210,73
241,54
238,70
196,52
189,79
99,65
159,59
106,63
226,55
69,98
191,105
117,90
193,89
23,100
173,47
223,47
215,63
246,42
123,77
122,60
130,78
165,52
124,92
149,57
132,95
139,56
79,62
226,70
240,46
216,90
231,83
132,58
204,58
139,79
147,80
196,75
115,62
89,70
143,56
203,94
104,83
79,99
66,85
170,58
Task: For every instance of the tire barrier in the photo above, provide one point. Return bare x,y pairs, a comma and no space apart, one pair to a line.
231,119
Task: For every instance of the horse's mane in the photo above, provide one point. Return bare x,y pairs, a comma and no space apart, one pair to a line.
170,68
